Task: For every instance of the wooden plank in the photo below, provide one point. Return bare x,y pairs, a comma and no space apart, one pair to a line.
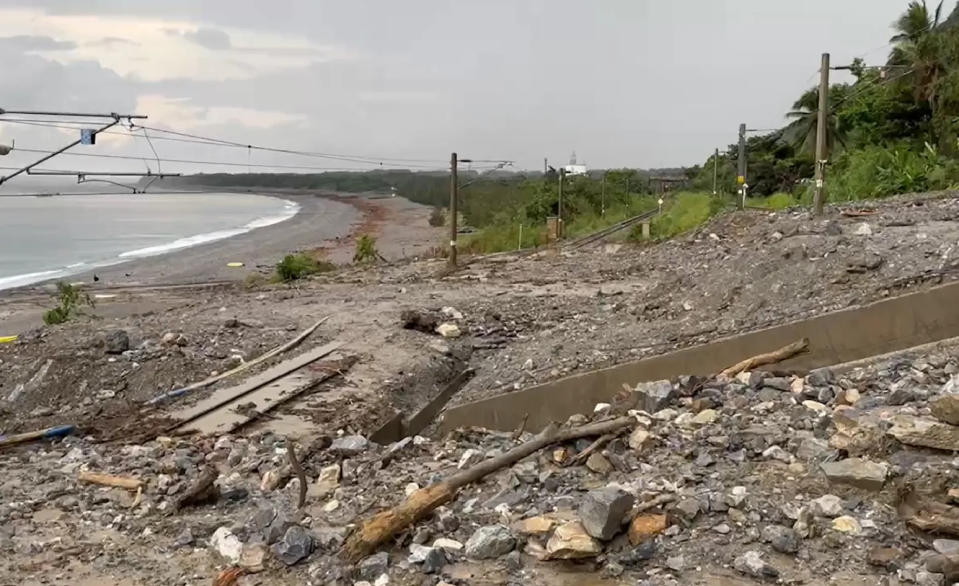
230,394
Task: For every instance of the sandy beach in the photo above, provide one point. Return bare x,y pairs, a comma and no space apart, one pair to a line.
326,223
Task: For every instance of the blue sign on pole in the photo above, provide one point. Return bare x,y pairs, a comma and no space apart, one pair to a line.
88,136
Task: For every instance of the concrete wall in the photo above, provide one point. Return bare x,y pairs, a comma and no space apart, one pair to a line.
843,336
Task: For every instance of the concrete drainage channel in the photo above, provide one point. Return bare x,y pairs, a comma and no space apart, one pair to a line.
843,336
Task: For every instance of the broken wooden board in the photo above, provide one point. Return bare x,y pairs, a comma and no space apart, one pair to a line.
267,379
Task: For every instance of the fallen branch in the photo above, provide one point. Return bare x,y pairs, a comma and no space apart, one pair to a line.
654,502
797,347
246,365
228,577
108,480
48,433
381,527
203,490
584,455
295,465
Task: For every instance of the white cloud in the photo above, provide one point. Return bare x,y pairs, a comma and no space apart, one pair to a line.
184,115
153,54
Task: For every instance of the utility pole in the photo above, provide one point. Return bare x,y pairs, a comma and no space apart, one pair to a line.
562,175
715,169
821,118
741,173
454,194
545,166
603,201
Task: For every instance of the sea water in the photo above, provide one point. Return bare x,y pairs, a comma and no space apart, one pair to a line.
47,237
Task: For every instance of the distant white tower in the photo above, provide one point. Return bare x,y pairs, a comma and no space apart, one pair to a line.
574,168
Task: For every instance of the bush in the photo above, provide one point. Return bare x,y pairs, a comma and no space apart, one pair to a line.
366,249
776,202
437,218
298,266
71,298
881,171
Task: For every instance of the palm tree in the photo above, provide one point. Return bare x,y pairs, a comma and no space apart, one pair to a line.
801,132
916,50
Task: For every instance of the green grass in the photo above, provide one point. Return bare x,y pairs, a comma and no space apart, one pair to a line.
71,298
682,212
366,250
776,202
299,266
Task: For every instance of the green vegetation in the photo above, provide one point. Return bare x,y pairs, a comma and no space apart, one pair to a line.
71,298
299,266
682,213
776,202
366,250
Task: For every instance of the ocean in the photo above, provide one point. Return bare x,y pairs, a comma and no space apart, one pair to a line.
50,237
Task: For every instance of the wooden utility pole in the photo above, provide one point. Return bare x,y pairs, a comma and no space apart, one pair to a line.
454,195
559,228
603,201
821,119
715,170
741,173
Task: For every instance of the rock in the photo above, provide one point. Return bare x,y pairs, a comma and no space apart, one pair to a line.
813,449
639,555
705,417
434,562
676,563
449,330
169,338
374,566
888,558
116,342
598,463
655,396
863,229
326,482
349,445
926,433
686,509
780,383
252,557
227,544
570,542
638,440
857,472
736,497
946,409
451,312
469,458
602,511
848,397
782,539
490,542
777,453
820,377
270,480
924,578
534,526
828,505
184,539
422,535
847,524
722,529
752,564
419,321
446,544
947,547
297,543
418,553
643,527
815,406
901,395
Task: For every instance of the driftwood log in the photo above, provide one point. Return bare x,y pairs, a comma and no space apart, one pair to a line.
381,527
203,490
797,347
109,480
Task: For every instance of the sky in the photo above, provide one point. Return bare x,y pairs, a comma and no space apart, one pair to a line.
623,83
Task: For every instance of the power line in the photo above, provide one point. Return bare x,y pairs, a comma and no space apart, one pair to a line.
189,161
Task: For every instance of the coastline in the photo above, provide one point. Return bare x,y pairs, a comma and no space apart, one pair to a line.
327,222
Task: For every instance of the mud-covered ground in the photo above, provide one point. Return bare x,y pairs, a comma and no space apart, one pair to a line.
523,320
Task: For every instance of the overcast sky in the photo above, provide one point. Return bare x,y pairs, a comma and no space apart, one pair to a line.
637,83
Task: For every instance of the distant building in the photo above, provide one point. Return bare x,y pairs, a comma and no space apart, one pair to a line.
573,168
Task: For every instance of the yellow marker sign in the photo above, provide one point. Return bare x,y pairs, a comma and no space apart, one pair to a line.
234,264
8,339
740,179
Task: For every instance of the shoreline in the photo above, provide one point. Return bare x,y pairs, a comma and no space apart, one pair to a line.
320,218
